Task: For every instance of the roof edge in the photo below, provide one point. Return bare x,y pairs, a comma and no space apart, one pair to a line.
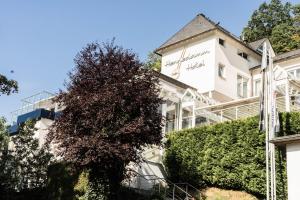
174,81
284,140
216,27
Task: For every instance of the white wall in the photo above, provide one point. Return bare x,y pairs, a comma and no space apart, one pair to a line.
227,55
197,71
290,64
293,170
205,77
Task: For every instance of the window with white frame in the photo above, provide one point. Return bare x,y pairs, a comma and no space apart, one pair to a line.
242,86
221,71
257,87
295,72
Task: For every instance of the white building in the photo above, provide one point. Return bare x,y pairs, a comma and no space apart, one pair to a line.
208,75
220,73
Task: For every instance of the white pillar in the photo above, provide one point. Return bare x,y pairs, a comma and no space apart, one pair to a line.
221,115
287,96
164,117
193,115
179,116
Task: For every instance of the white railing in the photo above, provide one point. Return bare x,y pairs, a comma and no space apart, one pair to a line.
30,104
216,114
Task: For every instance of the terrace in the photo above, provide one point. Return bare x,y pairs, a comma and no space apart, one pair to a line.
191,109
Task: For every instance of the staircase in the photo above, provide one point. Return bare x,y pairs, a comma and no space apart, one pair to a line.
167,189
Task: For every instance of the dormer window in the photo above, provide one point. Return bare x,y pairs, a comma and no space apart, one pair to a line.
221,42
260,49
243,54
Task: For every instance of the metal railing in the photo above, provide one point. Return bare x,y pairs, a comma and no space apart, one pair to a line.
30,104
233,111
170,190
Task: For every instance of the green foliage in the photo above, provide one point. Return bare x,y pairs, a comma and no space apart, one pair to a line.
296,12
3,135
81,186
285,38
289,123
23,163
153,62
277,22
89,190
7,86
8,178
228,155
85,190
61,182
265,19
31,159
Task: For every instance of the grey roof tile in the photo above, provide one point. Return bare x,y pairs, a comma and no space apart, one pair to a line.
256,44
198,25
281,57
291,54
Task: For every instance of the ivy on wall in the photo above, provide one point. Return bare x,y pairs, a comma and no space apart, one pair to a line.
229,155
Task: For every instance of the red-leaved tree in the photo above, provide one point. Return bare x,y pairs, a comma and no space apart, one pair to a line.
111,111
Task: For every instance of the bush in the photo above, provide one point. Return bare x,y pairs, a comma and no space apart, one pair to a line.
61,181
289,123
229,155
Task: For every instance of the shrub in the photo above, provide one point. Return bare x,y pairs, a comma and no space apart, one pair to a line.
229,155
61,181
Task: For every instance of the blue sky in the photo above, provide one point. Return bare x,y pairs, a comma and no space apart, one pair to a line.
39,39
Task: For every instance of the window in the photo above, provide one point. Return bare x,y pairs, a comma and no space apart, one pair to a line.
257,87
243,54
221,71
221,41
295,73
260,49
242,86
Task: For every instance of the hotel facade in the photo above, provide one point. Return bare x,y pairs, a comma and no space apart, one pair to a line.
207,76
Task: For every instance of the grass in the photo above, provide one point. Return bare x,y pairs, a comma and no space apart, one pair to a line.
220,194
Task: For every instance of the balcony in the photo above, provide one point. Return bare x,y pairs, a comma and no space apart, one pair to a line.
35,107
33,115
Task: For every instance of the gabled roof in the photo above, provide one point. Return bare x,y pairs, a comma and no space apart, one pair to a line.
199,25
282,57
256,44
287,55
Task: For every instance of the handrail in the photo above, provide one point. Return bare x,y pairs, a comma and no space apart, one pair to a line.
189,185
162,179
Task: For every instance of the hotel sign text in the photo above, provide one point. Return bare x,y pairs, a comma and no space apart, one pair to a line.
190,66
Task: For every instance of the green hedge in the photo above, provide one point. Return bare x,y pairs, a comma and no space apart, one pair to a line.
228,155
289,123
